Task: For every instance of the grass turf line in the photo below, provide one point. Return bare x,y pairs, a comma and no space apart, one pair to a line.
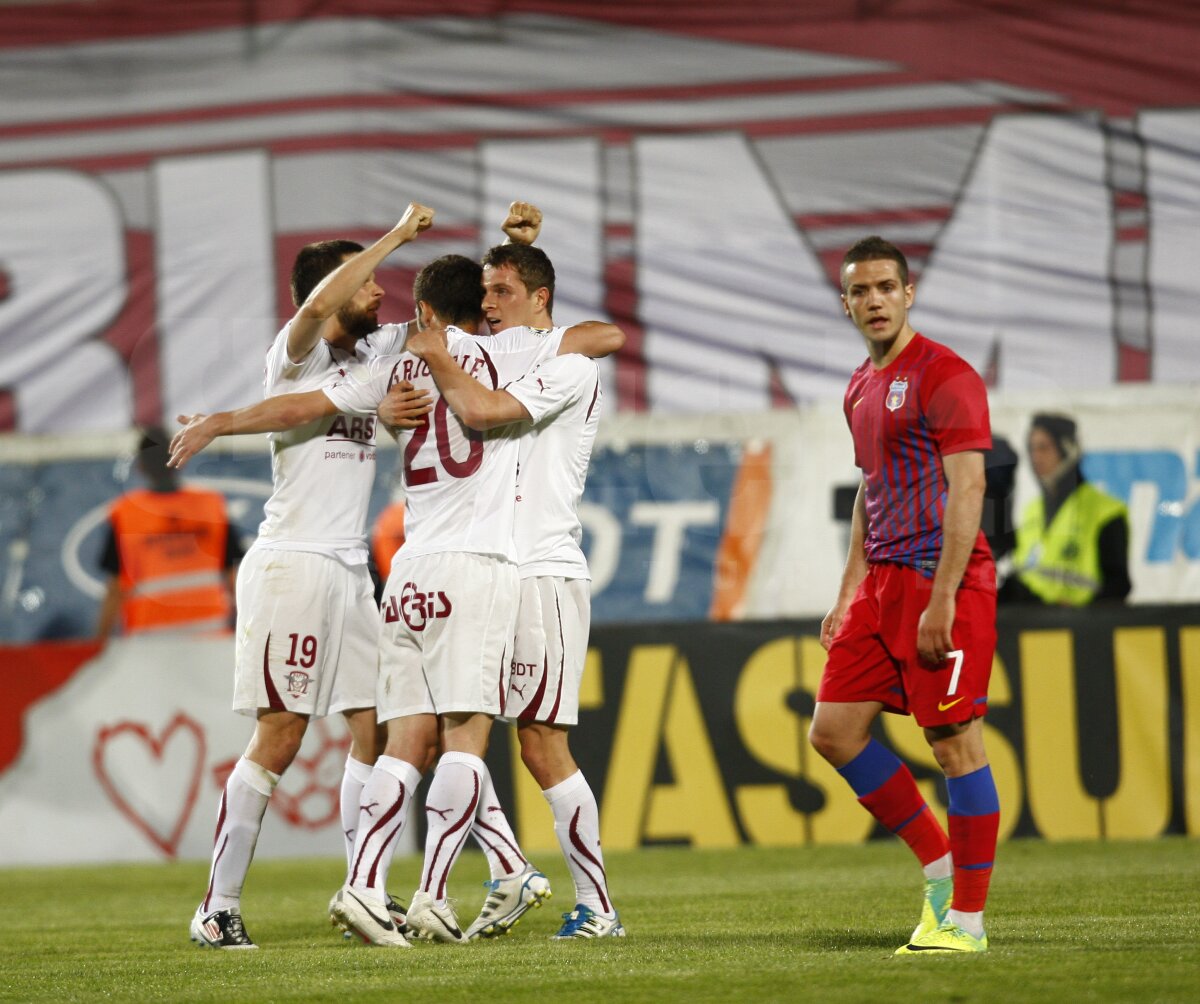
1068,922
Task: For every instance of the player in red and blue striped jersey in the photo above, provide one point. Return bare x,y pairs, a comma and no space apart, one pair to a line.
913,630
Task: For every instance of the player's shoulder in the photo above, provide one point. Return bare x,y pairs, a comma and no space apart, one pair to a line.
387,339
573,365
281,366
522,336
367,370
940,362
360,384
464,339
861,373
278,348
463,344
937,353
363,371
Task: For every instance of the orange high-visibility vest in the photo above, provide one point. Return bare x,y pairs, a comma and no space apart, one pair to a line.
172,558
387,537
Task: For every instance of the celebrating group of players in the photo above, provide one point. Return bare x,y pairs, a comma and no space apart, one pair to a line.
485,586
486,610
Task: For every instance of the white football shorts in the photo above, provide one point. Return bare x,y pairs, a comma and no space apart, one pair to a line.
549,650
307,634
447,634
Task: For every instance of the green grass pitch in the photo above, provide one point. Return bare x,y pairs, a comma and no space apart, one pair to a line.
1067,922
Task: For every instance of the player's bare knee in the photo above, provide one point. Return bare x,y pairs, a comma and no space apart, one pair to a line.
824,743
424,757
419,750
957,747
275,754
546,754
276,741
536,765
364,735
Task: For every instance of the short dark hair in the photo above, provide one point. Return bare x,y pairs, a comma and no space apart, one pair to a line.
529,262
1061,428
314,262
451,285
153,452
875,248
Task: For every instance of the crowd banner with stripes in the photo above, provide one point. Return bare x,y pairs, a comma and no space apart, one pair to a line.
689,733
160,165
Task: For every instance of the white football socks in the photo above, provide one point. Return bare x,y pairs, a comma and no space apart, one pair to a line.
942,868
383,810
449,813
239,820
577,826
494,834
354,777
972,923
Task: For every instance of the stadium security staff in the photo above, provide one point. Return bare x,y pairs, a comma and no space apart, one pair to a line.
1073,540
170,555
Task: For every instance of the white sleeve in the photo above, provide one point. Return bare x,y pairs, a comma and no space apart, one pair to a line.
521,338
363,386
280,371
555,384
515,351
390,339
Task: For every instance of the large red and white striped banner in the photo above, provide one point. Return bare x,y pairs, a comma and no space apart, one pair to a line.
702,169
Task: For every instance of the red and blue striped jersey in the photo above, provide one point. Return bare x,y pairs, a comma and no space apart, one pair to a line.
904,418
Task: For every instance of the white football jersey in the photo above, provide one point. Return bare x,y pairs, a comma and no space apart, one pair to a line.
563,397
460,484
322,472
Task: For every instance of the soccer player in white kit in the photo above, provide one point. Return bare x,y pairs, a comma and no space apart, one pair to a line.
561,398
471,478
448,609
309,651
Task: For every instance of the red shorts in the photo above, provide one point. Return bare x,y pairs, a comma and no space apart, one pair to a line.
873,656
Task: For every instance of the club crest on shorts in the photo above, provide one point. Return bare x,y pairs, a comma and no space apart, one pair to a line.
297,683
896,393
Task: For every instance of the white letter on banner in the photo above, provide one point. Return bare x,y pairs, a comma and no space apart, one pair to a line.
1172,181
670,520
216,280
604,544
563,179
727,284
61,247
1022,265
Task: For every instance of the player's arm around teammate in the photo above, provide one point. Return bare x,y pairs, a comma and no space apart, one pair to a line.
562,396
482,408
408,407
478,406
278,734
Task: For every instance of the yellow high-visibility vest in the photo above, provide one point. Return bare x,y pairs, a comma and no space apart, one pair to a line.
1060,563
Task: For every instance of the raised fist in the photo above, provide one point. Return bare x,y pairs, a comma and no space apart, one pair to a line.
523,223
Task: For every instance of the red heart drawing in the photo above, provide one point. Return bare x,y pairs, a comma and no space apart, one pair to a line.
179,728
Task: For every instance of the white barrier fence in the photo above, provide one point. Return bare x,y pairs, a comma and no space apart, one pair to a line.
127,760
